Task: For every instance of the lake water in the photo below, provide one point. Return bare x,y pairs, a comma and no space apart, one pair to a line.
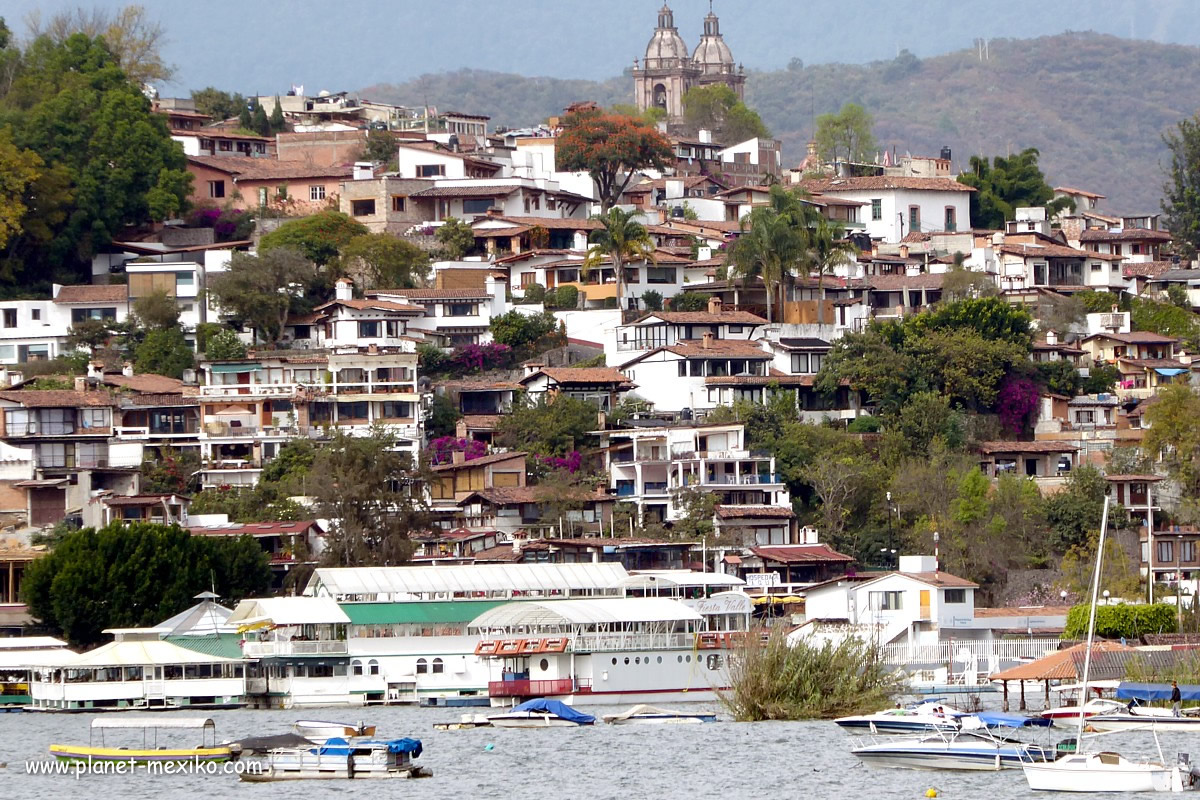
724,760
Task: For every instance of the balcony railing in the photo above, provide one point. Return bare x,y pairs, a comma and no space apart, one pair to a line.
243,389
293,648
527,688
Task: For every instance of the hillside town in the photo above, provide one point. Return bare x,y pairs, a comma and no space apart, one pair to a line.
416,408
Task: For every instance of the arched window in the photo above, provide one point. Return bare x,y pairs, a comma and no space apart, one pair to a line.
372,667
438,667
356,667
660,95
422,666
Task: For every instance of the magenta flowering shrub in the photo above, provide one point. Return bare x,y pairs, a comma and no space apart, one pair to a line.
1017,404
478,357
442,449
571,462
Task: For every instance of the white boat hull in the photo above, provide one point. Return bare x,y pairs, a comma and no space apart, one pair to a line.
659,720
532,722
1134,722
937,761
1070,774
271,774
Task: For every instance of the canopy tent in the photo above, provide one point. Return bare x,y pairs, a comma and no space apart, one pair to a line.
1000,719
153,721
282,611
1155,691
560,614
146,652
401,583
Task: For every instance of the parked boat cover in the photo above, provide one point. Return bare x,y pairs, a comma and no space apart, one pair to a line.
1155,691
557,708
1000,719
405,745
334,746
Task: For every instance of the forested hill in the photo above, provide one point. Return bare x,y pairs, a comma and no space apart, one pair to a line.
1094,105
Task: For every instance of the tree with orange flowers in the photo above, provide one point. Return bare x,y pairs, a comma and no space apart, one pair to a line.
611,148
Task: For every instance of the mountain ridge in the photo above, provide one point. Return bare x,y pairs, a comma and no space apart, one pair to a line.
1094,105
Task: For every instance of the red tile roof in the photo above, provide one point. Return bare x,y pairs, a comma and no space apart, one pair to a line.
704,317
265,169
481,422
58,398
582,375
432,294
466,191
737,348
754,512
800,553
989,448
1141,478
110,293
256,528
1054,251
373,305
491,458
941,579
1080,192
1146,269
1124,235
145,383
874,182
1134,337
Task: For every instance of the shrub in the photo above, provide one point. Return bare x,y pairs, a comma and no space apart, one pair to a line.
1121,621
652,300
431,358
864,424
566,297
224,345
533,293
689,301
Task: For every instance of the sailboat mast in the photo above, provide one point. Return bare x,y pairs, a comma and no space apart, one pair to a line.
1087,656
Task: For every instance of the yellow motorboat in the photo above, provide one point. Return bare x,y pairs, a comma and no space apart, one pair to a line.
150,750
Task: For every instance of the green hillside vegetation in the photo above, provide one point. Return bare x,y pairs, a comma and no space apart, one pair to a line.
1095,106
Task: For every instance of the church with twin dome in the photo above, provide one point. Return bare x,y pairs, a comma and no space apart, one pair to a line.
669,69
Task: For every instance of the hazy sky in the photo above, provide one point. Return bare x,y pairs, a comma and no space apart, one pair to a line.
255,46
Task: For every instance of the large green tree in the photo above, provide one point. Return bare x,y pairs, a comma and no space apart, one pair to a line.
1173,431
552,428
846,135
611,148
1181,191
73,105
164,352
773,240
136,575
260,290
716,108
217,103
385,261
1008,183
320,237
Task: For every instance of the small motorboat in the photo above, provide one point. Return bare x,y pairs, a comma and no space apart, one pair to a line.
1107,772
541,713
466,722
150,751
928,715
1099,705
319,731
651,715
975,746
339,758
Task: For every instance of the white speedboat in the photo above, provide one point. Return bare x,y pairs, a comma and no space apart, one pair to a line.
1107,772
1141,719
339,758
319,731
651,715
976,746
541,713
928,715
1099,705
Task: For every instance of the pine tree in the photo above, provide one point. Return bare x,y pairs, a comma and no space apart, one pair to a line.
260,124
244,120
277,122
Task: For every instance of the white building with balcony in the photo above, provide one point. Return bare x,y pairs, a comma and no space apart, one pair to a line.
680,376
649,466
36,330
450,317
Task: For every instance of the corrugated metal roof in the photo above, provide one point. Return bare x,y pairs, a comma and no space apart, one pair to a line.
224,645
441,611
390,583
605,611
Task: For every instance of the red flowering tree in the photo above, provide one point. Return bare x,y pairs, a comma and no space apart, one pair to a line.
442,449
1017,403
610,148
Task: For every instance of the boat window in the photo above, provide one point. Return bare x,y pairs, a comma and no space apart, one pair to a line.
373,667
356,668
679,659
615,661
544,665
660,659
438,667
422,666
627,661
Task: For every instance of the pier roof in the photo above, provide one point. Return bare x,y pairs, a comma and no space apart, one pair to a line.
348,584
604,611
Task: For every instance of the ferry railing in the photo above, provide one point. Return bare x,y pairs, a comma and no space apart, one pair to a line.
528,688
944,652
609,642
293,648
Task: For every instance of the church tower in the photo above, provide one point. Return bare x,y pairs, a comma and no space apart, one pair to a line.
666,73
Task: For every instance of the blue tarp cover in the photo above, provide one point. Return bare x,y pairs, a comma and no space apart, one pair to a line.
557,708
1155,691
337,746
1169,371
334,746
999,719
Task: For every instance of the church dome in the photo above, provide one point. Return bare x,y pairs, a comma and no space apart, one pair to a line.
712,54
666,47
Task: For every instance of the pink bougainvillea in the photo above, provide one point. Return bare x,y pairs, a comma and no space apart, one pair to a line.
443,449
1017,404
476,357
571,462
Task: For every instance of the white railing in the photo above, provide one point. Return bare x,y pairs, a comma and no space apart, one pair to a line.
244,389
1009,649
608,642
130,432
318,648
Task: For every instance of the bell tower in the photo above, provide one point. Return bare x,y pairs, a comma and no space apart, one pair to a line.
666,72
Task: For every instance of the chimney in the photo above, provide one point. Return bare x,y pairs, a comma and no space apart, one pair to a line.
714,305
874,249
704,136
80,383
458,457
373,349
127,369
363,171
517,541
904,251
703,253
1051,338
812,147
343,289
707,341
95,369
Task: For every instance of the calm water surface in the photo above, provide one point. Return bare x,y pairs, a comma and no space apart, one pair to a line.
724,760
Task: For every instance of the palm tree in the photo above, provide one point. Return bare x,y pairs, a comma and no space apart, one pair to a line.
622,239
827,248
767,247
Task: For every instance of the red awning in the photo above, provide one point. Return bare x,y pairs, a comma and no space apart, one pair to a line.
733,559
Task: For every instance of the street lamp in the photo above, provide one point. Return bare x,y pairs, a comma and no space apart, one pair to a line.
1063,596
891,534
1105,593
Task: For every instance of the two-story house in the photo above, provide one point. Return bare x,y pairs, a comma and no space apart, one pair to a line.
451,317
677,377
604,387
894,206
662,328
453,482
480,403
1047,462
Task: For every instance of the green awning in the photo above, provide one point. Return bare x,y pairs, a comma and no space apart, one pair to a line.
442,611
234,367
226,645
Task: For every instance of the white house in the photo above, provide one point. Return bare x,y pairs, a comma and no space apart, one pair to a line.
675,377
32,330
661,328
451,317
912,605
895,206
362,323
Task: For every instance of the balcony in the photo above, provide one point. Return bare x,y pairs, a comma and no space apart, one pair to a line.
293,648
528,688
250,389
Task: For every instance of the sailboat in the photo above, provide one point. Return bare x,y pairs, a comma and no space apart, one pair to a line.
1105,771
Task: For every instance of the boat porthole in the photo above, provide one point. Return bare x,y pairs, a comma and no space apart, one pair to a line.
544,665
689,659
627,661
660,659
614,662
679,659
637,660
